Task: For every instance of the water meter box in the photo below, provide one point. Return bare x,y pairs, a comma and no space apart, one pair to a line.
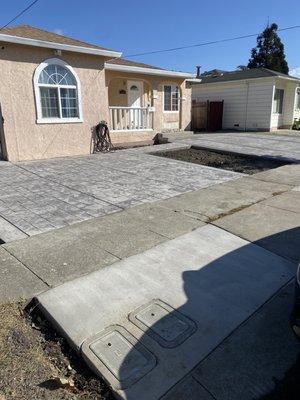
163,323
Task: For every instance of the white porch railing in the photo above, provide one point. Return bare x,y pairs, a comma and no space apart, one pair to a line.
131,118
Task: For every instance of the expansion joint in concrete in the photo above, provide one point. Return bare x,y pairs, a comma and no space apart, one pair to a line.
27,267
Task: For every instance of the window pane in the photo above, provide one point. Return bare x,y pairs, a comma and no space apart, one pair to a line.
69,104
278,101
49,102
57,75
175,97
167,98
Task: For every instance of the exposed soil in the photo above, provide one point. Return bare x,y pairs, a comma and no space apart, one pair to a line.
244,164
33,358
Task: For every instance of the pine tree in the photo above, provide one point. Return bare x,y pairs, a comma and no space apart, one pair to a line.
269,51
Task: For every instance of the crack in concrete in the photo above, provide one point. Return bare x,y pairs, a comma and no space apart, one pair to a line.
27,267
240,208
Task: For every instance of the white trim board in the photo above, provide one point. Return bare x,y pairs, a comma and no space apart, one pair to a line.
147,71
58,46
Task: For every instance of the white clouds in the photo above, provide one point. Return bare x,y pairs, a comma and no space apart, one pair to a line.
295,72
58,31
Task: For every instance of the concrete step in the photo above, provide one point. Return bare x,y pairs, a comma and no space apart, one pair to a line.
178,135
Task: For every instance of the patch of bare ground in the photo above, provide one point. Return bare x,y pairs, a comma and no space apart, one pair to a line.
35,363
231,162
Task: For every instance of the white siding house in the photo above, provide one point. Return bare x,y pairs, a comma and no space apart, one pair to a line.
257,99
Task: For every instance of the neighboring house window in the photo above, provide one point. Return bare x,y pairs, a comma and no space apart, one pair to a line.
298,99
57,92
278,101
171,98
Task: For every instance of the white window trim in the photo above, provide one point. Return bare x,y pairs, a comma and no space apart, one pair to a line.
297,100
283,100
36,85
171,111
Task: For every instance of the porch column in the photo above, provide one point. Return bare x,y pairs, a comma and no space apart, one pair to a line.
157,104
185,106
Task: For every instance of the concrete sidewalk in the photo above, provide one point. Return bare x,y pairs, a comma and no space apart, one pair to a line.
249,363
70,252
178,300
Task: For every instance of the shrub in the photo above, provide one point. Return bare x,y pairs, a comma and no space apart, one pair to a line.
296,125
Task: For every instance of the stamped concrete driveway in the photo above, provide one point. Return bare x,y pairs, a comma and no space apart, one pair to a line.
260,144
39,196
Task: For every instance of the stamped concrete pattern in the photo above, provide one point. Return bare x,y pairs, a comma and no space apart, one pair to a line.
40,196
202,275
72,251
284,147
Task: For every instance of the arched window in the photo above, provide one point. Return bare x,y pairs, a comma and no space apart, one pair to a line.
57,92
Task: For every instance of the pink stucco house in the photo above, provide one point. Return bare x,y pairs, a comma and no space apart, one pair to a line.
54,90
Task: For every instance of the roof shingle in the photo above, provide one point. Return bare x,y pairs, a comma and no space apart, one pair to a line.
123,61
241,75
27,31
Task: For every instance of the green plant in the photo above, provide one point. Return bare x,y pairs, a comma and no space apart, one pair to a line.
296,124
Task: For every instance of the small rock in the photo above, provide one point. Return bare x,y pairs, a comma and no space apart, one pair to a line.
66,383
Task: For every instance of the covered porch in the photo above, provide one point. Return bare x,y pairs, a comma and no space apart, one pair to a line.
144,101
130,105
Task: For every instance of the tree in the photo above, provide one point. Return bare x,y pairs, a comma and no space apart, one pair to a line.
241,67
269,51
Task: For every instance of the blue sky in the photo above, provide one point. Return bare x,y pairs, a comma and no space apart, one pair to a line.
136,26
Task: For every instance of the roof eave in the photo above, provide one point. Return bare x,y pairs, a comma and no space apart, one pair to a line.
194,80
147,71
235,80
58,46
288,78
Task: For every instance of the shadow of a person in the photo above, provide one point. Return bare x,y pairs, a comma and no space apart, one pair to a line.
218,298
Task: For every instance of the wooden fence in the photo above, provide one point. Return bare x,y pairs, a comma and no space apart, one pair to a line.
199,115
207,115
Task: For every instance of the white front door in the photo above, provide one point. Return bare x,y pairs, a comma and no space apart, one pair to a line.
135,91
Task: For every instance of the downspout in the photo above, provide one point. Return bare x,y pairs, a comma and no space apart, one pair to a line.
246,110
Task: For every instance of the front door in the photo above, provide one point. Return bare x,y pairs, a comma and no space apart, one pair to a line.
135,101
2,147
